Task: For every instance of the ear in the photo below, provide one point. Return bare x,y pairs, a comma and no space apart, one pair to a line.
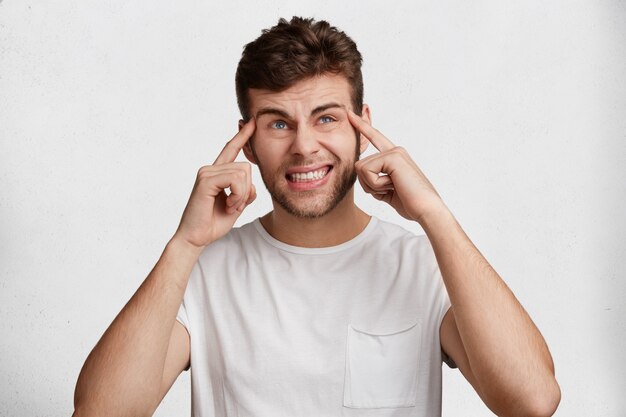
247,147
365,114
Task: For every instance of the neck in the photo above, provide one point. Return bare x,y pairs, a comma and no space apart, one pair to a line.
340,225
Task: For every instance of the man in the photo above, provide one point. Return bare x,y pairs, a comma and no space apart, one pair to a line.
316,308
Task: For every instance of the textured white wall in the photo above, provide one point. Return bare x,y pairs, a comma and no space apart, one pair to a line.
514,110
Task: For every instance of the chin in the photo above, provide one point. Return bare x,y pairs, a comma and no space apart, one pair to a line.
313,207
311,204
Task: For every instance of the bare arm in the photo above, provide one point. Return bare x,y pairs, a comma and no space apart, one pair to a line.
124,372
487,332
143,351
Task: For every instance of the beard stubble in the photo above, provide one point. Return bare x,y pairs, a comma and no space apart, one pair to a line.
326,202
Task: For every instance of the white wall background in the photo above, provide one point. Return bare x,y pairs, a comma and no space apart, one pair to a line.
516,111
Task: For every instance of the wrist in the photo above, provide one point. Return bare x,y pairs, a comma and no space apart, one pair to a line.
182,247
436,218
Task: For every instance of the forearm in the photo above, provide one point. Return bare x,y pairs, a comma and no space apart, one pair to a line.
506,352
123,373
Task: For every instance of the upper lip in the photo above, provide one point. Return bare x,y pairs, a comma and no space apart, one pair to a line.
308,168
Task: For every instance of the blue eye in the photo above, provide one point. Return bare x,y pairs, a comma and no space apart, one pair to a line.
326,119
279,124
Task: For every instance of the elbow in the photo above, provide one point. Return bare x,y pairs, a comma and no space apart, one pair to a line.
543,403
546,403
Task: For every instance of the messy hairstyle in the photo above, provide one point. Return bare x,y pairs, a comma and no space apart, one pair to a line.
293,51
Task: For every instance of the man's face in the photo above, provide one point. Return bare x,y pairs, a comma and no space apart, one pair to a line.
304,144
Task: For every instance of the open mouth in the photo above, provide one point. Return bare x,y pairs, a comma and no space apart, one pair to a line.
310,176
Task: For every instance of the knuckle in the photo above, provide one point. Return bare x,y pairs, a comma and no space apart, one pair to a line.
245,165
204,171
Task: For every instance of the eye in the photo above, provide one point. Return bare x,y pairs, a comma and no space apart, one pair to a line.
326,119
279,124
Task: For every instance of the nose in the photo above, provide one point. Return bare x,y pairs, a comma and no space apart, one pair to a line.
304,142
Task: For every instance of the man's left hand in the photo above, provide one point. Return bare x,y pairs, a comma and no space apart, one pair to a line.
402,184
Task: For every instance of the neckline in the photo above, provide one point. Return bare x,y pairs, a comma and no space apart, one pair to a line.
314,251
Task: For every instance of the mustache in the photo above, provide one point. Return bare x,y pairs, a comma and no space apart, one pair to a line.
298,162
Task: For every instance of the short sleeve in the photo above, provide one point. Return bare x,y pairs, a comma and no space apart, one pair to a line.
444,306
182,315
188,298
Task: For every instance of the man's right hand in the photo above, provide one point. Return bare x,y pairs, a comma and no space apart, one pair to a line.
210,212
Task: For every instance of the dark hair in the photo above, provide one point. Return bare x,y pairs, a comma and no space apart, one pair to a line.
293,51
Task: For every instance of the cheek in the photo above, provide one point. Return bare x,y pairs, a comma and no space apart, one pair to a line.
268,150
329,127
341,141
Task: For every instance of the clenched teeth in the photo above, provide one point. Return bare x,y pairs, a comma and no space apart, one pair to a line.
308,176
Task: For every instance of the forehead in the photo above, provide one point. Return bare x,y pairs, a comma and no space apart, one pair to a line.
304,95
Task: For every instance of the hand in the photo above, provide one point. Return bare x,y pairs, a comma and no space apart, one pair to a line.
210,212
403,186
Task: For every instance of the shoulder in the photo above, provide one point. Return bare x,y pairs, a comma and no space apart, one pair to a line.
394,234
398,242
235,240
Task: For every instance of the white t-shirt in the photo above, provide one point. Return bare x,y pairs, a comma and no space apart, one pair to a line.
349,330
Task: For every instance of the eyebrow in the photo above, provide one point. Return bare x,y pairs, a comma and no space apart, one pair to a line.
278,112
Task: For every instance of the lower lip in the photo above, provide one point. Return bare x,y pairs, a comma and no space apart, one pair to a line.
309,185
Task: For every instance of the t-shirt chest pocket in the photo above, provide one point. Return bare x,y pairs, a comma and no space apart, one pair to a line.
381,369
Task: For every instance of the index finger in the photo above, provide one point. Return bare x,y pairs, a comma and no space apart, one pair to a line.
379,141
232,148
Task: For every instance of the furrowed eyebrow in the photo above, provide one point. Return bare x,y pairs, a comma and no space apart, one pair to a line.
271,110
278,112
324,107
